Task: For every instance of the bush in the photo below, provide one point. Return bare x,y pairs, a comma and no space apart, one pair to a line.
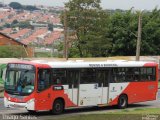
12,51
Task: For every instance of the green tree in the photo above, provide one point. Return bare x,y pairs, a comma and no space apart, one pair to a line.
30,7
7,25
15,5
15,22
123,30
24,24
88,21
151,33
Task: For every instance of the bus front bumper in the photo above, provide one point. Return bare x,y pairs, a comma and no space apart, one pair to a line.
29,105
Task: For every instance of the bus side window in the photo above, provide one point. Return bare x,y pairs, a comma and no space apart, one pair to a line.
114,75
136,74
73,78
87,76
59,76
102,77
151,76
118,75
143,74
43,79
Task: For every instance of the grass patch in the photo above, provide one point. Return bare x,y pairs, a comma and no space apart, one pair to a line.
104,117
42,54
127,114
140,111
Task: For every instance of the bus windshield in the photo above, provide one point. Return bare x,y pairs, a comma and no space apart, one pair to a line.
20,81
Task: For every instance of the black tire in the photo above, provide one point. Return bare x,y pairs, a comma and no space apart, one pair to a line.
58,107
122,102
32,111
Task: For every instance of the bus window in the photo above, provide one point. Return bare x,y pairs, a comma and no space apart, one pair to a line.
118,75
148,74
130,74
143,74
151,74
59,77
87,76
102,77
73,78
43,79
137,74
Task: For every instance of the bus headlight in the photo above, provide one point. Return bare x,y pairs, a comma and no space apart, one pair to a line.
30,104
6,104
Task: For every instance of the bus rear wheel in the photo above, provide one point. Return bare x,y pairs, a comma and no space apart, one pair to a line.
122,102
58,107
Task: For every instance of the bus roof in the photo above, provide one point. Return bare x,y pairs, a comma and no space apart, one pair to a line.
91,64
81,64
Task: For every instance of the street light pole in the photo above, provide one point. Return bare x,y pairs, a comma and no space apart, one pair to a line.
139,37
65,36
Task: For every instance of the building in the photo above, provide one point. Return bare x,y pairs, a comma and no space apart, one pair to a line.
5,40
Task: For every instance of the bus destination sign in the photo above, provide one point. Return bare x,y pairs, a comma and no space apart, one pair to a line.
21,66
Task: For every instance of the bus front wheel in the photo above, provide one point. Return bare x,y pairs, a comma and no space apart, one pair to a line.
122,102
32,111
58,107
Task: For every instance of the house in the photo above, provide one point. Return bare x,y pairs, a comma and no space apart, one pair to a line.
6,40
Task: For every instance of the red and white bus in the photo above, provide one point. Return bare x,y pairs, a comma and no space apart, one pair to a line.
55,86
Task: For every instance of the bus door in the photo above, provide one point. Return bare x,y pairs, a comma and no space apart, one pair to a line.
102,76
88,88
117,83
43,96
73,80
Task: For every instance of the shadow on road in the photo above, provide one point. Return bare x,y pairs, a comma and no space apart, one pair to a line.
84,110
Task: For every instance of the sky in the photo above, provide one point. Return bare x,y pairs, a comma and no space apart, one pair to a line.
106,4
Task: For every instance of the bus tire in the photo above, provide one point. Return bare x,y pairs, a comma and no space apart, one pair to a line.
58,106
32,111
122,102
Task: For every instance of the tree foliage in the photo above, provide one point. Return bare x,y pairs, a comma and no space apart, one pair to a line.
87,20
99,33
12,52
122,30
15,5
30,7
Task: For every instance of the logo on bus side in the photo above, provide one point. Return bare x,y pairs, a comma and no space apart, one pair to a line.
151,87
103,65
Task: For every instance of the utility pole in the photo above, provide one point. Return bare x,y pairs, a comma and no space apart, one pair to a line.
139,37
65,36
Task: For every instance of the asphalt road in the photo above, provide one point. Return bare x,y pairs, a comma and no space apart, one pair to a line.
22,114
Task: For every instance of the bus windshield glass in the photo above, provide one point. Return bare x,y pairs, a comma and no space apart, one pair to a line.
20,79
